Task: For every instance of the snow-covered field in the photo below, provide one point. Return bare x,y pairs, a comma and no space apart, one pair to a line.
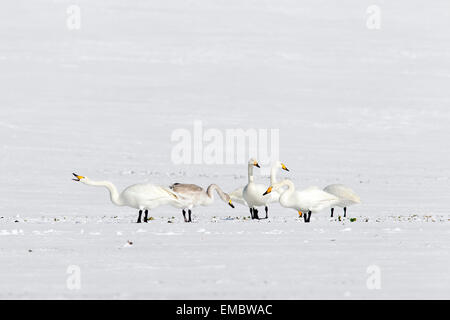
367,108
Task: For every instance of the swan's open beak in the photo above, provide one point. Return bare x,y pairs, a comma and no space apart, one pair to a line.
284,167
231,204
268,191
78,178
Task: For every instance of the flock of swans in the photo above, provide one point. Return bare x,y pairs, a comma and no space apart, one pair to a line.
145,197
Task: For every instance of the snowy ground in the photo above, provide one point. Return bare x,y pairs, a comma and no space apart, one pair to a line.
368,108
225,257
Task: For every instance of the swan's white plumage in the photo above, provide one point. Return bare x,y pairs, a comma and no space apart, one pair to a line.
147,196
191,195
238,194
312,199
143,196
253,193
238,197
347,196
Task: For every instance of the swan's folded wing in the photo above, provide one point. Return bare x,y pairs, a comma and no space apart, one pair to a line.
150,194
176,196
315,197
167,196
186,188
328,199
187,192
312,188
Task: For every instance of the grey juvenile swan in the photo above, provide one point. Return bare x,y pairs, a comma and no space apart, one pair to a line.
193,195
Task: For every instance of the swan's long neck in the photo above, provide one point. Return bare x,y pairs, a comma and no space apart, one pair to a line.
286,196
250,173
114,194
290,187
273,174
215,187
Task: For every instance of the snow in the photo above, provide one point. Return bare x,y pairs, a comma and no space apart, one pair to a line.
222,258
365,108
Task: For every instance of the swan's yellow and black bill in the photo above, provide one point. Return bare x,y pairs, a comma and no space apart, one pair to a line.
78,178
231,204
284,167
256,164
268,191
300,214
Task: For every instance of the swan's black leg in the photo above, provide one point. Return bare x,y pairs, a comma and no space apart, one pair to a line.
267,212
140,216
184,215
251,213
305,217
255,213
345,212
146,216
309,216
190,212
332,211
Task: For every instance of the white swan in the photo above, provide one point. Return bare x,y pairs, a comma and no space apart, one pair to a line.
194,195
347,197
253,193
237,195
143,197
306,201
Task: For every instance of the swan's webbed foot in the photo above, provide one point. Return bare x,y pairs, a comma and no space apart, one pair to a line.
332,212
140,217
184,215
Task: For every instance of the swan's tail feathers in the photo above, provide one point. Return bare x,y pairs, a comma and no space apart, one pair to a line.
238,193
238,200
237,196
356,199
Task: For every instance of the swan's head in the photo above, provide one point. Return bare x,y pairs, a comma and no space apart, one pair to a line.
78,178
253,162
281,165
273,187
227,198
